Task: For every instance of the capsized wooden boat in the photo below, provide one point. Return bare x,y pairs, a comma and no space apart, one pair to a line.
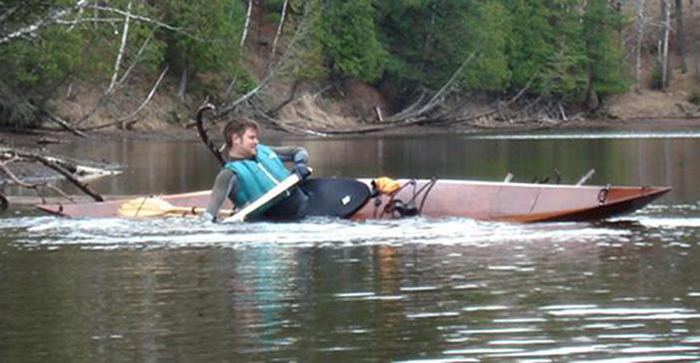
440,198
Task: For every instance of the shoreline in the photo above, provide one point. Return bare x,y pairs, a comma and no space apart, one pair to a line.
38,138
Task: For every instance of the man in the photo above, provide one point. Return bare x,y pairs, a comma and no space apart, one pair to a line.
252,169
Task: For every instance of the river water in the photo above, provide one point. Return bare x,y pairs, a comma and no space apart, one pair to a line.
418,290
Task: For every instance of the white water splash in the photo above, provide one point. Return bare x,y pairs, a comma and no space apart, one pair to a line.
45,232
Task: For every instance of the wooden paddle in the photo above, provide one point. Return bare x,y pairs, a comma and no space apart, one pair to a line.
280,188
156,207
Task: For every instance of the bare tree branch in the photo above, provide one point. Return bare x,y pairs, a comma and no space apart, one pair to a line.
433,100
141,18
66,169
104,98
128,119
62,123
51,18
266,80
148,98
35,187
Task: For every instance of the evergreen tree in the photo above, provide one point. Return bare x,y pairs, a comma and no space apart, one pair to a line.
531,45
601,24
209,38
565,74
351,41
430,39
306,58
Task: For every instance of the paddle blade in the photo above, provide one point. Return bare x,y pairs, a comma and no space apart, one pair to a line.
146,207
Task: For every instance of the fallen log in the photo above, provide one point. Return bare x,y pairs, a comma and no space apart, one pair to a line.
73,172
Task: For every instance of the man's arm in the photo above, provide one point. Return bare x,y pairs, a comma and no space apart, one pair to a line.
296,154
225,183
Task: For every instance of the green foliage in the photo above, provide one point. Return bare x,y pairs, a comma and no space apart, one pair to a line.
306,55
488,26
565,49
429,40
209,37
532,45
604,48
32,67
565,75
351,41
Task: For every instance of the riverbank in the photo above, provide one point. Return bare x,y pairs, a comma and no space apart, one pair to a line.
44,138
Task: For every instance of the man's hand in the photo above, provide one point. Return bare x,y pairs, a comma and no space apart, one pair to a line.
302,171
207,217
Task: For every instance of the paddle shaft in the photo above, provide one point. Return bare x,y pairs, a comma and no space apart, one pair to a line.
155,207
195,210
280,188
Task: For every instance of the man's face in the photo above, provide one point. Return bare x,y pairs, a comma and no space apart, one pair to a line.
245,144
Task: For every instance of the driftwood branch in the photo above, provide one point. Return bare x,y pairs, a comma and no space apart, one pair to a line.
52,164
37,187
55,119
67,169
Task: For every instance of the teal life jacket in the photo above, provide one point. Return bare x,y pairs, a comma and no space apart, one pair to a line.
257,176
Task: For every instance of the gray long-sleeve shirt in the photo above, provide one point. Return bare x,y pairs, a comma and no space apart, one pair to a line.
227,183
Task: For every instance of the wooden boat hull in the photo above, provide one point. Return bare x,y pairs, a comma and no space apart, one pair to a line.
488,201
518,202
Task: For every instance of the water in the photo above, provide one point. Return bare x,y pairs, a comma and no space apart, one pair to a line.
413,290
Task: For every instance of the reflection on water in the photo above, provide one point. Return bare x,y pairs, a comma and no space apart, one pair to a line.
407,290
413,290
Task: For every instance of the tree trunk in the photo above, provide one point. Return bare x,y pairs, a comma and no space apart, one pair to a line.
640,27
680,34
247,23
182,89
666,13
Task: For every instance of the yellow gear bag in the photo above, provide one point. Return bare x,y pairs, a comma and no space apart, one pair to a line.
386,185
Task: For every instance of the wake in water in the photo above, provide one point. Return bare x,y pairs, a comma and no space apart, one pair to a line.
597,135
658,221
53,232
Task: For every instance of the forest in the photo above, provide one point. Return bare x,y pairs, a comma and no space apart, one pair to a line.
405,61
